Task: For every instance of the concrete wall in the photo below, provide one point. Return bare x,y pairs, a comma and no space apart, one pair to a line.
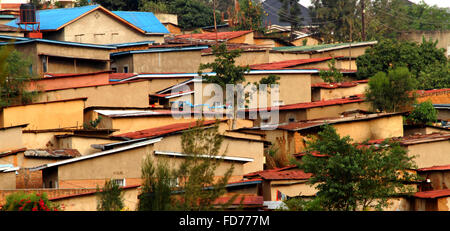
380,128
11,139
7,180
98,27
75,81
443,38
82,144
45,115
439,179
26,162
89,202
230,147
347,52
40,140
430,154
131,94
335,110
163,62
337,93
291,188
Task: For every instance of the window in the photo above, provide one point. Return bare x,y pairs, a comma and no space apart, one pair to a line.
125,69
120,182
44,64
291,119
114,69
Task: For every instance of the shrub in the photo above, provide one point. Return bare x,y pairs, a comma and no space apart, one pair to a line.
423,113
29,202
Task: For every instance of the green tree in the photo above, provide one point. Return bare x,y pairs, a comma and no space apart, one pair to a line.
393,91
15,73
155,7
125,5
290,13
423,113
193,13
110,197
157,186
197,172
426,63
353,176
192,185
250,16
333,75
79,3
337,20
227,72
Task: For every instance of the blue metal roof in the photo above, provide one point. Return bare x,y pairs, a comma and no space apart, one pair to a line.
146,21
158,50
119,45
55,18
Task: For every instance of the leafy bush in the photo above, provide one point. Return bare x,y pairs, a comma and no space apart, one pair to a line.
29,202
110,197
423,113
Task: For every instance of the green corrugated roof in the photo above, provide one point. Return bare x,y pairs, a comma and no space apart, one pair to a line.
315,47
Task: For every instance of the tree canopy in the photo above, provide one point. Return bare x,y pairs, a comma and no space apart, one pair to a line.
427,64
355,176
393,91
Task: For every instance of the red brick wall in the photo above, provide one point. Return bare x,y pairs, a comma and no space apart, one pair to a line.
28,180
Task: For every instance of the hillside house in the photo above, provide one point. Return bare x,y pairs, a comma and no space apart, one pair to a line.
96,25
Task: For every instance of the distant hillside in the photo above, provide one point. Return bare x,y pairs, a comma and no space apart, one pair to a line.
273,6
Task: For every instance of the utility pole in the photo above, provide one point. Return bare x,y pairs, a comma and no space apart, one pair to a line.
215,23
363,10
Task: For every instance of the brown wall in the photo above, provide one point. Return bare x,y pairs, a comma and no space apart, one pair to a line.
163,62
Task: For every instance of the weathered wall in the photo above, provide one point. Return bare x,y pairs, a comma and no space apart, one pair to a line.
164,62
45,115
443,38
75,81
89,202
11,139
430,154
131,94
337,93
230,147
335,110
8,181
291,188
82,144
379,128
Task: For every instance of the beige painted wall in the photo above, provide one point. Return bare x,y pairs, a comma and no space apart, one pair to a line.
380,128
99,28
337,93
443,38
89,202
348,52
11,139
82,144
40,140
230,147
25,162
335,110
290,188
7,180
163,62
133,94
46,115
431,153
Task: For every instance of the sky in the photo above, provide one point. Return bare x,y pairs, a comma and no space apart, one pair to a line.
440,3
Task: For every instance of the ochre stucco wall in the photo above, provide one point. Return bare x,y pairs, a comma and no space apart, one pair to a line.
45,115
132,94
11,139
431,153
